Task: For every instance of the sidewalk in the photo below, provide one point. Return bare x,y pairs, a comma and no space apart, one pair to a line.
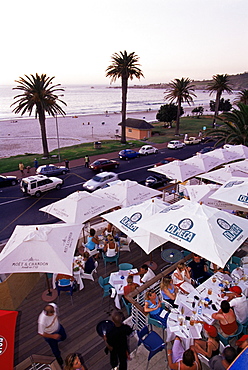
80,161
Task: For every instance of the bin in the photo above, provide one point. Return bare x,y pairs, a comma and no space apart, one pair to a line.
97,144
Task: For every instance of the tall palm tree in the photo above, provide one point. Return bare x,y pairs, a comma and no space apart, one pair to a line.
38,94
180,91
242,97
124,66
218,85
235,127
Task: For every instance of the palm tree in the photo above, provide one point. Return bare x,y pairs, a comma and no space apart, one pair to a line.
124,66
180,91
242,97
38,94
235,128
219,84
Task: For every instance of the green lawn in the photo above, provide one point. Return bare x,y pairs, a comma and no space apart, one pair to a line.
188,125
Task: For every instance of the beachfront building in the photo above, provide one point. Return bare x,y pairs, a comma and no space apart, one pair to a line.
138,129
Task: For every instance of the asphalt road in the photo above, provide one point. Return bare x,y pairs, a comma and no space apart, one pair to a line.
17,209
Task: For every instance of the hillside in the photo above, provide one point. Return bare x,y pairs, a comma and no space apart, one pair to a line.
239,82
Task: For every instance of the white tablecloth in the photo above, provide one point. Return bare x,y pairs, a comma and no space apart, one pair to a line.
118,281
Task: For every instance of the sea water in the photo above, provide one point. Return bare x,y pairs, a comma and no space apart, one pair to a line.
99,99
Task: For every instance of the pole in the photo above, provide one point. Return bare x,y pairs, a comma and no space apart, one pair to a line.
57,129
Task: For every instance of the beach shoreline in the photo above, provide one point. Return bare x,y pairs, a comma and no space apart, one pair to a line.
22,135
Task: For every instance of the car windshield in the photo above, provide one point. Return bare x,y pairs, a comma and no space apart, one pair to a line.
97,178
96,163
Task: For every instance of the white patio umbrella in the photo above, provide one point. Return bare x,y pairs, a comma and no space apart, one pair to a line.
127,193
240,150
204,162
209,232
222,175
224,155
40,248
79,207
241,165
127,220
177,170
234,191
203,193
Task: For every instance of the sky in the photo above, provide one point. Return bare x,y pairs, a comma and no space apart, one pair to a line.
74,40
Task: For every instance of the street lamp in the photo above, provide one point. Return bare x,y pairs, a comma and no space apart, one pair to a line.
57,129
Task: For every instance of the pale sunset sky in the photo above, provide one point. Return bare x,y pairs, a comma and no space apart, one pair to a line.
74,40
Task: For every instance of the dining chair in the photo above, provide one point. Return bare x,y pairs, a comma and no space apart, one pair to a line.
91,275
158,324
151,341
225,340
125,266
110,259
124,244
236,260
64,285
104,284
127,305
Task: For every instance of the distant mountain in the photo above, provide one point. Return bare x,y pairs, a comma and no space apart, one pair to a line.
239,82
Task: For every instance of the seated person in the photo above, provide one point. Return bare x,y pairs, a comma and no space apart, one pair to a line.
73,362
93,241
109,229
69,278
198,269
238,302
208,348
145,272
110,246
181,278
89,264
226,318
154,307
242,343
178,358
168,290
222,362
131,286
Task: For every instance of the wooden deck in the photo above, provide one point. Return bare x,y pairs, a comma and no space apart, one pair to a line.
79,319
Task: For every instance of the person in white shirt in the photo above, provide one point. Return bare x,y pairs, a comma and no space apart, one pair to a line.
51,330
239,303
146,272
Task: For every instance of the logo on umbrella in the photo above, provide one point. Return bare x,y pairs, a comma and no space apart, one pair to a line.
182,230
232,231
232,183
3,345
243,198
130,222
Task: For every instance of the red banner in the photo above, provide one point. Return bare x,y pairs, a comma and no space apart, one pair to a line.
7,338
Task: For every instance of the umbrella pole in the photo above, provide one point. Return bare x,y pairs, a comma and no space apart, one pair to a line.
49,294
151,263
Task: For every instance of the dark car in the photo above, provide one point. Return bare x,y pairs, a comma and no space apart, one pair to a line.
156,181
8,180
128,154
51,170
206,149
165,161
103,164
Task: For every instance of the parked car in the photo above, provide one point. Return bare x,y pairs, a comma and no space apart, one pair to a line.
35,185
147,149
175,144
165,161
128,154
192,140
103,164
100,180
51,170
206,150
156,181
8,180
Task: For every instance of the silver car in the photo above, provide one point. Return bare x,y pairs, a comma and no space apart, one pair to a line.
51,170
100,180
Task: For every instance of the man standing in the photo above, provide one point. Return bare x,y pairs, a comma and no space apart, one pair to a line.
198,269
86,161
116,341
36,164
21,168
51,330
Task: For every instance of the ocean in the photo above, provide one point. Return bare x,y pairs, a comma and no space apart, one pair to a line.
97,99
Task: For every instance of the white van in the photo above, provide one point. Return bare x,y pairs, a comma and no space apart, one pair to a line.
35,185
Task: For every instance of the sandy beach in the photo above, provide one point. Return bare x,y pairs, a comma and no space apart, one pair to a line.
22,135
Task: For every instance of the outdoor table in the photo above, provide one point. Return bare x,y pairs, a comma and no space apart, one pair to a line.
177,325
171,255
118,281
77,277
240,278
